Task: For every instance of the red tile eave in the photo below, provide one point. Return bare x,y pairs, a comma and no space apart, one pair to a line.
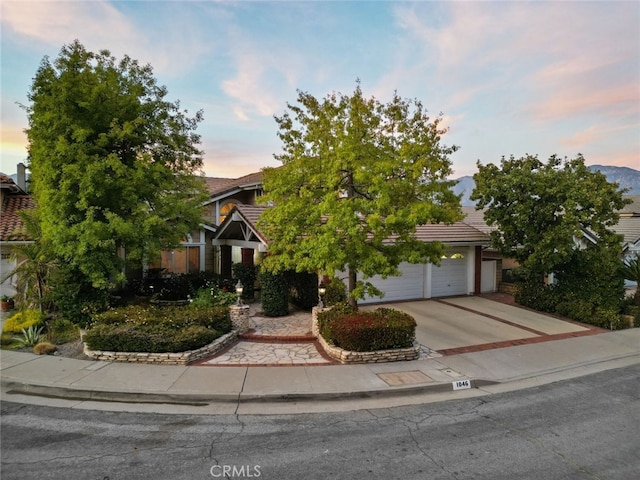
11,228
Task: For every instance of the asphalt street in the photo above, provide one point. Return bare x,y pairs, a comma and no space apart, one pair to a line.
583,428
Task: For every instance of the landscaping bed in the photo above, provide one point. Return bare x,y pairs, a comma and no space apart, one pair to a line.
384,335
152,329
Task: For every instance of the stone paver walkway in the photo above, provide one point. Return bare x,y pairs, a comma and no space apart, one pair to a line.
274,341
279,341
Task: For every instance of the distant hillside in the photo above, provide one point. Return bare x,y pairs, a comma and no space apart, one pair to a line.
623,176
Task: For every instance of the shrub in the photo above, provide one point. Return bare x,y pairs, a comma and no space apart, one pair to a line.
370,331
75,297
157,329
22,320
61,330
44,348
275,298
247,275
213,297
328,318
159,339
336,292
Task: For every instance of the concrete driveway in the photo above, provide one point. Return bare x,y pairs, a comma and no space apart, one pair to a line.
463,324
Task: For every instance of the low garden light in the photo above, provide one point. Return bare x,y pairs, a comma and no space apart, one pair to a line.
322,289
239,290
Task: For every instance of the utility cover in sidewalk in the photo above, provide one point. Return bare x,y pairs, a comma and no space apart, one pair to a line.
405,378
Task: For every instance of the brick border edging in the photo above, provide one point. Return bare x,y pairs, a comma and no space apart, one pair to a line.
239,318
350,357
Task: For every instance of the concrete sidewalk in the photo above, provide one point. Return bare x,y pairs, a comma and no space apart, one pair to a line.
250,389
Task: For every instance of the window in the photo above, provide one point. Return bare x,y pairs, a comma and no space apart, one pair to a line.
224,211
179,260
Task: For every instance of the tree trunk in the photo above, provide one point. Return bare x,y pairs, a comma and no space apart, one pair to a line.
352,285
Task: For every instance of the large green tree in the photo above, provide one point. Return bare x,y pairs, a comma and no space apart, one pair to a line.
357,177
541,209
113,163
556,217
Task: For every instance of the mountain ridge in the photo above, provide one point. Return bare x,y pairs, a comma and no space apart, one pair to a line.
625,177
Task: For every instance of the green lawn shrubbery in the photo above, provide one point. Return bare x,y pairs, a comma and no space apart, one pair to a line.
157,329
381,329
22,320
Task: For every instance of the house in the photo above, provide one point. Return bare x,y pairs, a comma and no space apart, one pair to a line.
197,252
13,198
463,269
629,227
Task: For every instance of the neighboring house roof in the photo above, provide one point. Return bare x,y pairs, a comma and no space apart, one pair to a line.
475,219
219,187
633,209
11,229
629,228
7,183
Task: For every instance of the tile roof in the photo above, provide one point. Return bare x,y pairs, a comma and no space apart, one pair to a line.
459,232
629,228
218,186
10,222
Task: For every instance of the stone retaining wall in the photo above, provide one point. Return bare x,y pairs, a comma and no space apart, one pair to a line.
181,358
239,318
346,356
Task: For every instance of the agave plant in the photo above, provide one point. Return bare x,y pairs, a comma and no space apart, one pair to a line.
30,337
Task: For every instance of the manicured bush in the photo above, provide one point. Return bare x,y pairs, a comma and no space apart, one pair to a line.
328,318
381,329
22,320
247,275
157,329
275,295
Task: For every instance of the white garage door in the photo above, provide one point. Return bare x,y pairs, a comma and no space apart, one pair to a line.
408,286
450,278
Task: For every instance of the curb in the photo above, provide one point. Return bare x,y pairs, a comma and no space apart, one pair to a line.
200,399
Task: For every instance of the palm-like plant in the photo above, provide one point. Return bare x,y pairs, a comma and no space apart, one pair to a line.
34,264
631,271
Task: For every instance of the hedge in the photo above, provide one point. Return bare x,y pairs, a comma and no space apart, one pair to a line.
381,329
156,329
275,295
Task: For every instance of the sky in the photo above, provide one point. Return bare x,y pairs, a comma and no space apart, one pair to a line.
508,77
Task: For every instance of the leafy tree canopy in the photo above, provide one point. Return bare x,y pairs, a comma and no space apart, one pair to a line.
357,176
113,164
540,209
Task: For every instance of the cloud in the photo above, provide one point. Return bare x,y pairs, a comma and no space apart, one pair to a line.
556,59
595,133
102,25
265,76
60,22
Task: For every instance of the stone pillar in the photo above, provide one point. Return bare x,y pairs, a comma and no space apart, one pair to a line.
314,319
239,317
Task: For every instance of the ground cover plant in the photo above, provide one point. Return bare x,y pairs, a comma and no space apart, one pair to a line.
153,329
359,331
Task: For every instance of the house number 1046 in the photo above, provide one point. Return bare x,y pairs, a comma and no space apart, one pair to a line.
461,384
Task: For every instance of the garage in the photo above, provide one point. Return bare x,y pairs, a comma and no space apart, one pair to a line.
450,278
408,286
